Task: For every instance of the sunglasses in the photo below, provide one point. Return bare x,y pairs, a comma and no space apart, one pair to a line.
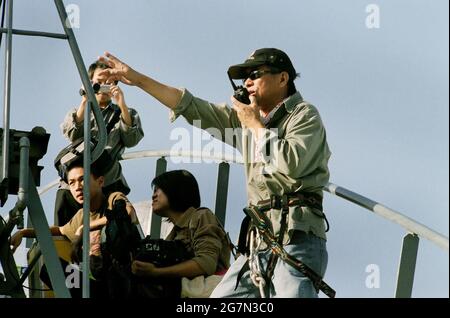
259,73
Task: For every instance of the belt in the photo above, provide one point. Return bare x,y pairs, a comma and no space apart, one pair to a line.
309,199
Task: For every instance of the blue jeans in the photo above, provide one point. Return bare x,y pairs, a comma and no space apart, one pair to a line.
287,282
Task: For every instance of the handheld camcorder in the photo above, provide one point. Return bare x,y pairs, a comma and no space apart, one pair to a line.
98,89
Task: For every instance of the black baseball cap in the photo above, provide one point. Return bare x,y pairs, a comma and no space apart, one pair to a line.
266,56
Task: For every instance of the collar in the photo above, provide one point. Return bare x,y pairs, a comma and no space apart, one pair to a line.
265,120
289,104
183,221
292,101
107,106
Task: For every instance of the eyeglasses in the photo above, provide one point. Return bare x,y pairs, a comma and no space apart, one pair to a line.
258,73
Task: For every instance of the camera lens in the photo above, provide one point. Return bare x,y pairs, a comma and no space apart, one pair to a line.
96,87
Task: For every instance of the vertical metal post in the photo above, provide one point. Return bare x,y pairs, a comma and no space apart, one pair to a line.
407,266
155,226
86,199
29,241
96,152
222,191
45,240
22,194
7,94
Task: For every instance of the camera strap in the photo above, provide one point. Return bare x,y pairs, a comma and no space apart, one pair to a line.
112,120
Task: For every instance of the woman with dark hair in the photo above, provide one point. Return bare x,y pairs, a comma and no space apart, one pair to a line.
176,196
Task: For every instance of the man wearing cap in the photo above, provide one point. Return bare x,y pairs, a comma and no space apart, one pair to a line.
285,152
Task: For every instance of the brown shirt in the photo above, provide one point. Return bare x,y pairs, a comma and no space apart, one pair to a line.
201,232
70,228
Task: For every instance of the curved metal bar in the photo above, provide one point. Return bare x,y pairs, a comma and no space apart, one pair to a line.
48,187
187,154
102,136
407,223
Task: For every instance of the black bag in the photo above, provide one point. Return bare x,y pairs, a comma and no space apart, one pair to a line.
74,153
122,239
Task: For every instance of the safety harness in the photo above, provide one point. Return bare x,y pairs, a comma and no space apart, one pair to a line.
252,235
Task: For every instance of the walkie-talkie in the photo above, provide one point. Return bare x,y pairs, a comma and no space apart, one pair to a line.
240,92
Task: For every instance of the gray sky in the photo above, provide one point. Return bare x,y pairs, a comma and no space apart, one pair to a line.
382,94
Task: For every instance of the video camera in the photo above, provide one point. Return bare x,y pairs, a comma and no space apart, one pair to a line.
98,89
161,252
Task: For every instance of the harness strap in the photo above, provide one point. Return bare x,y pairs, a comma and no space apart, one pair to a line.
259,219
307,199
283,227
283,203
244,269
243,247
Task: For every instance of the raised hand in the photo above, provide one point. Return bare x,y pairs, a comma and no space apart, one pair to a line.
117,94
248,114
118,71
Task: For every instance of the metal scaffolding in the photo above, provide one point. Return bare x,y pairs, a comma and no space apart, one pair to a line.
35,210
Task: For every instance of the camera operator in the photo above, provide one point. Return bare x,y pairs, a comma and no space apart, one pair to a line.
176,197
124,130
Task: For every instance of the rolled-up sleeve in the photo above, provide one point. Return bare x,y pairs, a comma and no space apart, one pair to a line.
215,118
70,128
131,135
207,241
69,229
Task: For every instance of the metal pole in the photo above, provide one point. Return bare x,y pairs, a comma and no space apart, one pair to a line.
102,136
30,266
7,93
86,198
16,214
96,152
155,224
407,266
43,235
407,223
222,191
35,33
22,194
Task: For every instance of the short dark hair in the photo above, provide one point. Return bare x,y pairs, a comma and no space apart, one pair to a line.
94,66
181,189
96,171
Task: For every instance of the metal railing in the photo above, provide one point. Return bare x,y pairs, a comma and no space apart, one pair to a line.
408,256
92,104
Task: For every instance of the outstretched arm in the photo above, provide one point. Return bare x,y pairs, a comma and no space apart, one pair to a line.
16,239
119,71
